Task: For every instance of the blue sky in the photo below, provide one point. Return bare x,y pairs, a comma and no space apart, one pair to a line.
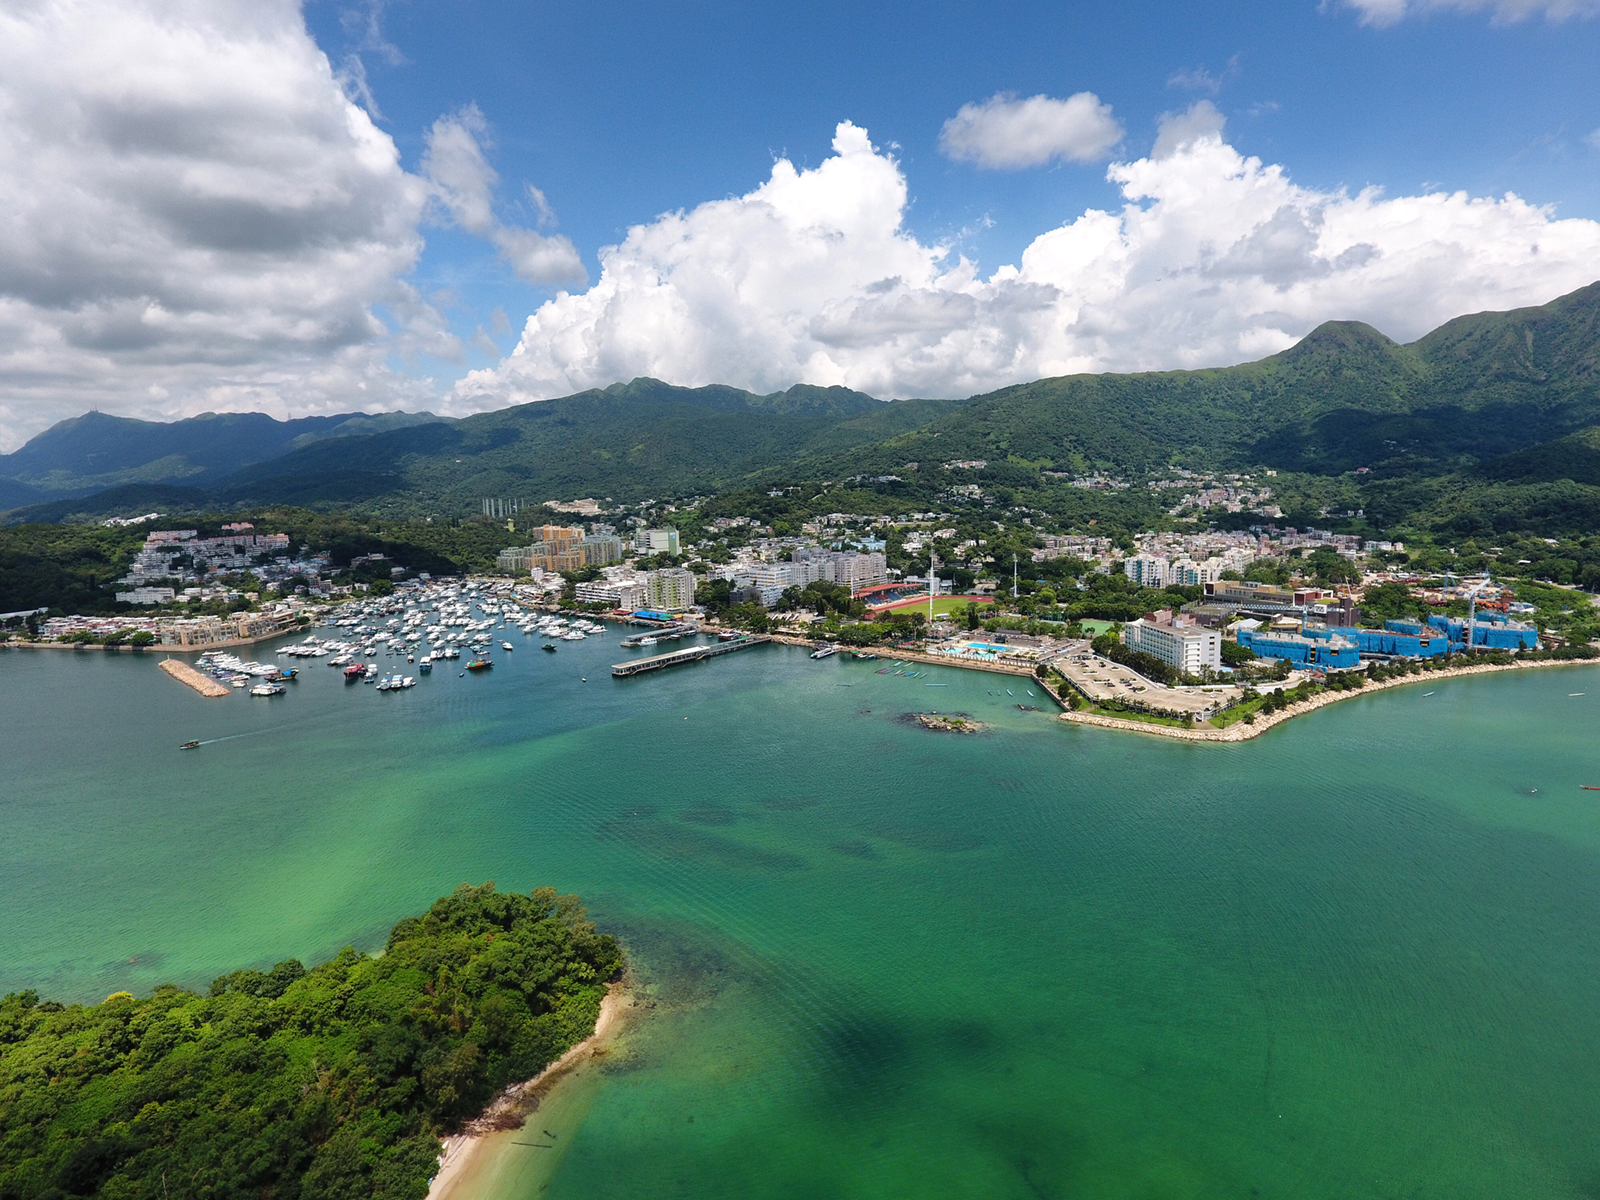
622,111
346,205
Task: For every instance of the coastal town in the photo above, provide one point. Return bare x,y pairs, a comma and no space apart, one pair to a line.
1192,633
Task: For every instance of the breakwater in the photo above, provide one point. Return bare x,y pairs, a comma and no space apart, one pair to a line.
186,674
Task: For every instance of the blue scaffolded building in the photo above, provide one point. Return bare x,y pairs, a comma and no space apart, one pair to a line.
1397,639
1491,629
1315,646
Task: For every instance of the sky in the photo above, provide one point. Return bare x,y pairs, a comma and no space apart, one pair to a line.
456,205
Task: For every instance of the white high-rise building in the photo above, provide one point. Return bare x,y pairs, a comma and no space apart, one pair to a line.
1175,640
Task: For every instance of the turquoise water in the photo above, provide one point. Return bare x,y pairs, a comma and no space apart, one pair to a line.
1358,957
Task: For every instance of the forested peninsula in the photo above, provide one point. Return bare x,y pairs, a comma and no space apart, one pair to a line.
336,1082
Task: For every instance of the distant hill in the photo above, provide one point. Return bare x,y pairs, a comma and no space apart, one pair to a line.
1345,396
629,441
97,450
1498,400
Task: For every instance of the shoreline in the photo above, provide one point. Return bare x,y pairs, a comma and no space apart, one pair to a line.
13,644
1240,732
510,1109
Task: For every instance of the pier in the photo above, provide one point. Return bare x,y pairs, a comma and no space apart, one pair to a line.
664,633
186,674
688,654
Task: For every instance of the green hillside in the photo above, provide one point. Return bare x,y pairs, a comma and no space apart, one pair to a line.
631,441
1479,424
97,450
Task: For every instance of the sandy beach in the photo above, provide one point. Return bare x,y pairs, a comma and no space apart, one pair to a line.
511,1107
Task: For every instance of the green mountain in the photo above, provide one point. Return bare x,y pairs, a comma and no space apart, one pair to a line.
630,441
1486,403
1346,396
97,450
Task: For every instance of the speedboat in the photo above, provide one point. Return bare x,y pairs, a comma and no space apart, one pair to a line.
824,651
507,646
549,646
190,746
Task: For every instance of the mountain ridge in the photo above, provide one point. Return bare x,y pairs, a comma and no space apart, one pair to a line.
1464,400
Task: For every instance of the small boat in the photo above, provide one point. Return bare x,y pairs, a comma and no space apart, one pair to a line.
863,656
1572,694
1590,787
267,689
1425,695
480,664
550,646
507,646
189,746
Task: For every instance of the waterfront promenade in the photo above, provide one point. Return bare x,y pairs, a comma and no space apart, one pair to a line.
1240,732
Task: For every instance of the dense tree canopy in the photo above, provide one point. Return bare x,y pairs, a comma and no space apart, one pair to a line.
294,1084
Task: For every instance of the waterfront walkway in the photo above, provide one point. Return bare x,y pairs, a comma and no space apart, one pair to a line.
1240,732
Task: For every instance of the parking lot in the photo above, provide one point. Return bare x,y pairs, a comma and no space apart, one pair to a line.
1102,680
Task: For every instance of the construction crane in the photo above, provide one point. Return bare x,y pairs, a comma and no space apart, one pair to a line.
1472,606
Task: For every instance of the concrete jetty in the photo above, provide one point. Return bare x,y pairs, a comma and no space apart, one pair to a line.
186,674
687,655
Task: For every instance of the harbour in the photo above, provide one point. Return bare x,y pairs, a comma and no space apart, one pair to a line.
702,818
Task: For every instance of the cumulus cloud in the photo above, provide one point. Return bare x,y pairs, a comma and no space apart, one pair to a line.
1177,130
463,181
1388,12
1006,132
196,217
1213,257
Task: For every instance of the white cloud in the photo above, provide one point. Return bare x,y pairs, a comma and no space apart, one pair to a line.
1388,12
463,181
1592,138
1213,258
1177,130
1006,132
196,217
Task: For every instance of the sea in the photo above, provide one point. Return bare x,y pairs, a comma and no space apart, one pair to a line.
1356,957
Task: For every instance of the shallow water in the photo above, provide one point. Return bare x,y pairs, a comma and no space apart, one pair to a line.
1355,957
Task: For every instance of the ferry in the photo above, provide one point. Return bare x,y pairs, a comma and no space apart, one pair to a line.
354,672
648,641
425,666
732,635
